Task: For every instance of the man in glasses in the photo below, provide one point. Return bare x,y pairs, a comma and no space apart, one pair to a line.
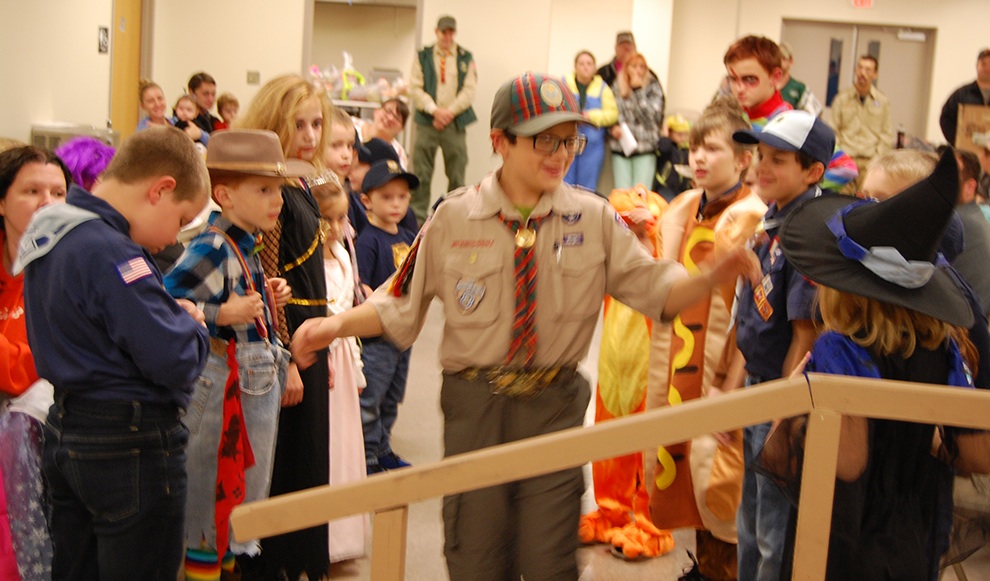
521,263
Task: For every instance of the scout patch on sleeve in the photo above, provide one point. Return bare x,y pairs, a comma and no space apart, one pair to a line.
134,270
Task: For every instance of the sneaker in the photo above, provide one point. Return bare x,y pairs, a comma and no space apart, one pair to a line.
693,574
392,461
375,469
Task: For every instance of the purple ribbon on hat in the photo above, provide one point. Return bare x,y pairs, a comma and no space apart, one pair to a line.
884,261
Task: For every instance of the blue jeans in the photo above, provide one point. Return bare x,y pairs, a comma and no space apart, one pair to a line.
763,515
386,370
116,474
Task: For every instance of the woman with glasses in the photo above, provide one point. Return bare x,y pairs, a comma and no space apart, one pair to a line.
634,140
388,122
597,104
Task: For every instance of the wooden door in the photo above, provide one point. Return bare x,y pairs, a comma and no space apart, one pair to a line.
125,58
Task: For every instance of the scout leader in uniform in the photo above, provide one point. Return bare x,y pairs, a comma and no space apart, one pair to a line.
521,263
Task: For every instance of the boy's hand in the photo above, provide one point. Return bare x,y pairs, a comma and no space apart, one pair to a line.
241,309
281,291
739,262
311,336
194,312
293,387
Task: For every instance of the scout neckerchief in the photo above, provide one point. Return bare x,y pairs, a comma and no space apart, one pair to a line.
234,455
523,343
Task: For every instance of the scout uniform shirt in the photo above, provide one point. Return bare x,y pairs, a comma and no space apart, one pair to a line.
583,252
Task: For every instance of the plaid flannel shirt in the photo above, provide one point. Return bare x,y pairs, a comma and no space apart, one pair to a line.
208,271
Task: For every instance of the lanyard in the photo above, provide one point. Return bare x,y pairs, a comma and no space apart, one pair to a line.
258,322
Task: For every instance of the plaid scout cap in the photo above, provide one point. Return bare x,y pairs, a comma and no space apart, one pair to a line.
531,103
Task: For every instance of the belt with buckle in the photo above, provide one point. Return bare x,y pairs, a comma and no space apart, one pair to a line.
517,382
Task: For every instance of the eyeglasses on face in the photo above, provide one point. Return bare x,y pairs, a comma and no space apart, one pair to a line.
549,144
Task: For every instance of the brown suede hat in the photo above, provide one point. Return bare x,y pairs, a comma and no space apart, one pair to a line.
255,152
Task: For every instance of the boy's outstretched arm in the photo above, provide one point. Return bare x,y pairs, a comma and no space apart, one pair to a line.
315,334
687,291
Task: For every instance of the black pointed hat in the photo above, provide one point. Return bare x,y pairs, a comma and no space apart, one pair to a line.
887,250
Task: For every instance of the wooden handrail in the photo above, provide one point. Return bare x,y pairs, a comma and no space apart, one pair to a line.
825,397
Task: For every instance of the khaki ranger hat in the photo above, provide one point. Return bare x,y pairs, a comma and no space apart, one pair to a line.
446,23
255,152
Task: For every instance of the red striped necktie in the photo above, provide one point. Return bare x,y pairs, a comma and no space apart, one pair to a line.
443,66
522,349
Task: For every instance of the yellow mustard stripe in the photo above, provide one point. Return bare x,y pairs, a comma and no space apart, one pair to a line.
305,256
308,302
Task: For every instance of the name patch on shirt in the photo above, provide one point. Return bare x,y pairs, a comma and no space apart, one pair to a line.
134,270
573,238
472,243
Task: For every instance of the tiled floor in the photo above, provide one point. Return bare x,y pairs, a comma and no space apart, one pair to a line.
417,437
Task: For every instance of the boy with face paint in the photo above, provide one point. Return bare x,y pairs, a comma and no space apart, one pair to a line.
753,69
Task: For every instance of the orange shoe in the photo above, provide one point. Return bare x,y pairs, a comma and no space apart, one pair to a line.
640,539
600,526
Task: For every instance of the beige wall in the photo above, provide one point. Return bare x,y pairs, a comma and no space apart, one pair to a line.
376,36
543,36
226,38
44,83
703,29
51,68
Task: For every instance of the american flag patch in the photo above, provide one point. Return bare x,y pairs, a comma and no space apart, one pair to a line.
134,270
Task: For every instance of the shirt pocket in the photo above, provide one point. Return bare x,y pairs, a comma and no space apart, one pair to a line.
257,370
582,284
472,291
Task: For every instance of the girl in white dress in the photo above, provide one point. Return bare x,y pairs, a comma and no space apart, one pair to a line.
347,464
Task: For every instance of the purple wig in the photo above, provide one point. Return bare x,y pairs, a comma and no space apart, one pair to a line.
87,158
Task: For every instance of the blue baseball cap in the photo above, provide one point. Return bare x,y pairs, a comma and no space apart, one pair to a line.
384,171
794,131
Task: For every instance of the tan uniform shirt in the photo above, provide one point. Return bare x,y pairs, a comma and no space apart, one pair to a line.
583,251
447,95
862,130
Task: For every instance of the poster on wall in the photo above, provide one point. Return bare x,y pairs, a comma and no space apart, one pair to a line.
974,128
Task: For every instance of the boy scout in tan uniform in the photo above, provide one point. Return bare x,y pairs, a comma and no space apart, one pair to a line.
490,253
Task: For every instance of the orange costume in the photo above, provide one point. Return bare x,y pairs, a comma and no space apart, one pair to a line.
698,484
620,489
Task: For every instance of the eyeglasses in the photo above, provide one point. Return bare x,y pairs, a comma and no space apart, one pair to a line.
549,144
393,113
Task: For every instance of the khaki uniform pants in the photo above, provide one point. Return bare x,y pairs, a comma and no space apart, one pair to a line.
453,142
527,527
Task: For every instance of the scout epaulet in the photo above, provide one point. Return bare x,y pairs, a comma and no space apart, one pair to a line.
403,276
